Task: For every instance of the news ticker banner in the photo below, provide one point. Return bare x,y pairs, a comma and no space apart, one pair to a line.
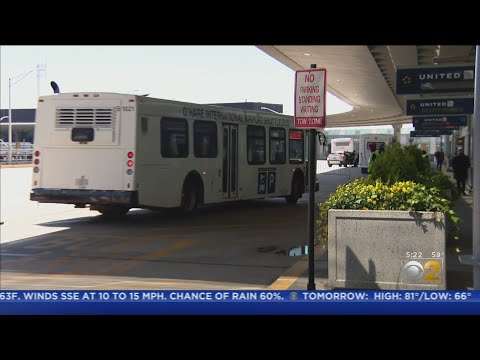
242,302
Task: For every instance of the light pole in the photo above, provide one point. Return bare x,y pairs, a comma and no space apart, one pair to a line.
265,108
10,139
9,121
3,118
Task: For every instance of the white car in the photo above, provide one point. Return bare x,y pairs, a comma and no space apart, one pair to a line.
343,158
336,159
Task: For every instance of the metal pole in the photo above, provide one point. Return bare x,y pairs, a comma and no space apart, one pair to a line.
9,121
476,175
312,163
311,210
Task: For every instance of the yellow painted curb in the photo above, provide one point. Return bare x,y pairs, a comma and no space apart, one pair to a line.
290,276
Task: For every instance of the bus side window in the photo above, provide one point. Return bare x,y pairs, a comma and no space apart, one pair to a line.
205,139
277,146
173,137
144,125
173,146
255,145
295,145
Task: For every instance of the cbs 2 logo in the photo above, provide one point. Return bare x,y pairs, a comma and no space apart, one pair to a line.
414,271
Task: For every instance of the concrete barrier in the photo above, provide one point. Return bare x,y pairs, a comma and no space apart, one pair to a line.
383,249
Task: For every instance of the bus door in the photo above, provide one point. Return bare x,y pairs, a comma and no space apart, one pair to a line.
230,161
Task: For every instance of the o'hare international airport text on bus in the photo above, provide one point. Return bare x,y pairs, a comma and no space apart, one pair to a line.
115,152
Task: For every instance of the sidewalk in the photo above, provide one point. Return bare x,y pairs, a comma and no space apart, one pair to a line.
459,276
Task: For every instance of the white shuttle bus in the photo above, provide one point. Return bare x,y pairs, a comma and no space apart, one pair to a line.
368,144
115,152
340,145
344,151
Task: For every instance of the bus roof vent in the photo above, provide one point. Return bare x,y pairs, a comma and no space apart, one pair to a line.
101,118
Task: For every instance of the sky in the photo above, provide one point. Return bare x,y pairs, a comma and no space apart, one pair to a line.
197,74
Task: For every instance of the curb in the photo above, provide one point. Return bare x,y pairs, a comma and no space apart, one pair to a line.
290,276
295,272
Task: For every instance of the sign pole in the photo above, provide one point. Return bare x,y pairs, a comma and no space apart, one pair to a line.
476,175
310,113
312,157
312,163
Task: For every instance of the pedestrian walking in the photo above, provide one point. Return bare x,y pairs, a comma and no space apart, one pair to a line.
460,164
439,157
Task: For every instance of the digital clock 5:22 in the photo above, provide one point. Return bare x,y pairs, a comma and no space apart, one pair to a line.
419,254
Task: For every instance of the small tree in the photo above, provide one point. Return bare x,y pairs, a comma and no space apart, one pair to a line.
423,167
398,163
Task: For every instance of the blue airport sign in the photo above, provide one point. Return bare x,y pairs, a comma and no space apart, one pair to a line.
452,106
439,122
435,80
430,133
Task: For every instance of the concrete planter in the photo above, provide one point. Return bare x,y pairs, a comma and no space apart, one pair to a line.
386,249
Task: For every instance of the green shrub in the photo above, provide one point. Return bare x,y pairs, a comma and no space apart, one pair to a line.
405,163
422,166
441,181
366,194
399,163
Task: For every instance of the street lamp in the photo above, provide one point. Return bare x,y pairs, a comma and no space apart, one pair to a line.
10,139
265,108
1,119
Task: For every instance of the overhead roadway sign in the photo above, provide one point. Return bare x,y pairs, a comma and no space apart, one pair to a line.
430,133
439,122
310,91
435,80
425,107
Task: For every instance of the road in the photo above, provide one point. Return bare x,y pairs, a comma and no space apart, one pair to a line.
240,245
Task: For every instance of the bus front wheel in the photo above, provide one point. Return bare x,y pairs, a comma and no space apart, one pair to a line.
296,191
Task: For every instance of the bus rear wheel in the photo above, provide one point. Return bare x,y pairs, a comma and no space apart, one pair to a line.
189,198
112,210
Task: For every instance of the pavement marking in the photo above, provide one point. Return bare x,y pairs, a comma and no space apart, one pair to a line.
125,245
11,254
128,265
53,266
290,276
30,281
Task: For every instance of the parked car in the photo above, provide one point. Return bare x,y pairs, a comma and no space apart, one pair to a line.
343,158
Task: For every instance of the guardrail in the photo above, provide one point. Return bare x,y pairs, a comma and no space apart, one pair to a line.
19,156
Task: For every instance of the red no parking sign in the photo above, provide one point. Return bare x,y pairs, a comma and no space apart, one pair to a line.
310,91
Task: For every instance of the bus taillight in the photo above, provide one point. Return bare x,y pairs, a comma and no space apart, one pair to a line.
36,161
130,155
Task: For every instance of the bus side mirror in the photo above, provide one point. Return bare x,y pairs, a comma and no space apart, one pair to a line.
322,138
